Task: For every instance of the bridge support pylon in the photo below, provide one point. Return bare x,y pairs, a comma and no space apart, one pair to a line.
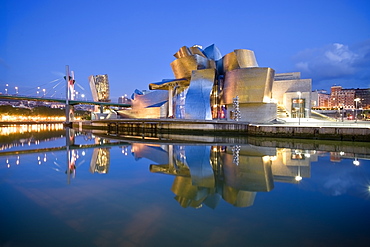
69,110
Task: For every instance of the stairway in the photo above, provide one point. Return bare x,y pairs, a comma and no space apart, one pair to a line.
282,112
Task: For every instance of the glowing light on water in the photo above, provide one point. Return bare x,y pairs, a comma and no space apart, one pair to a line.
298,178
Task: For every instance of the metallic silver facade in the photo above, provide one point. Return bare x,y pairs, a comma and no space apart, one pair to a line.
197,102
239,59
252,85
205,84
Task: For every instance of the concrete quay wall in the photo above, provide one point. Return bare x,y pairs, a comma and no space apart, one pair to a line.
323,133
225,128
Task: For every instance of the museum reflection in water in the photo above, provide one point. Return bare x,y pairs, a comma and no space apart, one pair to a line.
203,174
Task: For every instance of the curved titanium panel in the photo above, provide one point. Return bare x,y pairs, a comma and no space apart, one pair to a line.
230,62
252,85
246,58
212,52
146,105
196,50
183,67
183,52
197,103
238,59
150,99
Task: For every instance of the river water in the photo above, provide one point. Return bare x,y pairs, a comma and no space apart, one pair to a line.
91,190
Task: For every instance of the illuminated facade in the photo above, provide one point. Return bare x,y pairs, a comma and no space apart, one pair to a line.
99,86
320,99
292,95
206,86
345,98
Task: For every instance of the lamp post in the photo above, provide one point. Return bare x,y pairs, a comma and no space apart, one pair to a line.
299,107
16,90
356,102
6,88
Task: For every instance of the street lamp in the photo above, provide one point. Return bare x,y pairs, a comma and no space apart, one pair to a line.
341,110
299,107
356,101
16,90
44,90
6,88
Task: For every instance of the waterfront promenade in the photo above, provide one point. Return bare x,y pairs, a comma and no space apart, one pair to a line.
310,122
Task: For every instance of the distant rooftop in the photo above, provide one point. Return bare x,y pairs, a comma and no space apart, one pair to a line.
288,76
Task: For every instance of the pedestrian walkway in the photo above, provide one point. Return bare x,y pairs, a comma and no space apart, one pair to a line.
311,122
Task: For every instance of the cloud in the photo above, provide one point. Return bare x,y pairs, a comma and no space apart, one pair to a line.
336,186
336,62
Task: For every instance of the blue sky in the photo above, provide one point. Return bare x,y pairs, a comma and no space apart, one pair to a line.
134,41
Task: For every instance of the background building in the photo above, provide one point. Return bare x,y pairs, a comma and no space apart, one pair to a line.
342,98
363,96
99,86
349,98
320,99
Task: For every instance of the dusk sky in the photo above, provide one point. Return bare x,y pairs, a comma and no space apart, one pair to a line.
134,41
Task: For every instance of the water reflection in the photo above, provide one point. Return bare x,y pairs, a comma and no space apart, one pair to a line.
203,174
100,160
101,191
13,136
206,174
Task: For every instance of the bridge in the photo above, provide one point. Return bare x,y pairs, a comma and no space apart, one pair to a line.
70,102
69,99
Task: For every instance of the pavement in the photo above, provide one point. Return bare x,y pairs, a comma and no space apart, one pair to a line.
310,122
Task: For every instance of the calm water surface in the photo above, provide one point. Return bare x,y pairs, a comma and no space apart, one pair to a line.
101,192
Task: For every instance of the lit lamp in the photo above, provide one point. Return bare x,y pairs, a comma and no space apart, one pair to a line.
16,90
299,107
356,102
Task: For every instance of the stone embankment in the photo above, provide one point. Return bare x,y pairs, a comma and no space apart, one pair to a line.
154,127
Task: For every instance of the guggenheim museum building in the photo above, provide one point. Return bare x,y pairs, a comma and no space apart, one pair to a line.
209,86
